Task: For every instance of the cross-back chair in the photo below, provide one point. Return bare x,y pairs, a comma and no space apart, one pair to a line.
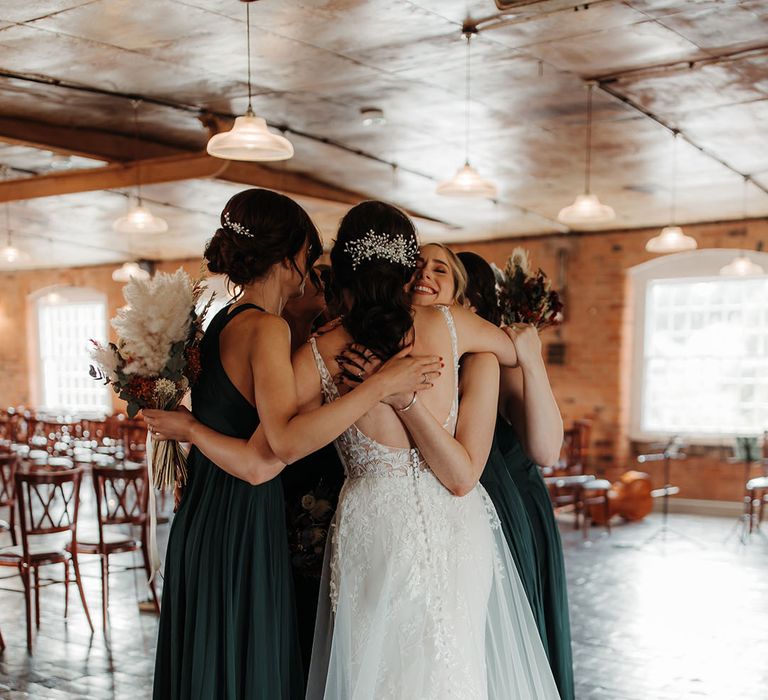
48,504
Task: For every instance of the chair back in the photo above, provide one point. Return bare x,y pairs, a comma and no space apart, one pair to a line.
48,502
122,495
8,464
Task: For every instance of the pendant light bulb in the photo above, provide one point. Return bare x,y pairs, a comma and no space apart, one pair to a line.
140,220
741,266
128,271
587,210
467,182
671,240
249,138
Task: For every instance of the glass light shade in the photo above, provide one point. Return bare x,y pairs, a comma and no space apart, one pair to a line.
128,271
10,254
249,139
467,183
140,220
741,266
671,240
586,210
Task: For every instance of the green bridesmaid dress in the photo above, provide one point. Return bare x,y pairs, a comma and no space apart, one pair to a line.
550,605
228,622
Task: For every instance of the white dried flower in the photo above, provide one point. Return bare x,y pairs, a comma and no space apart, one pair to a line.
519,258
157,316
106,359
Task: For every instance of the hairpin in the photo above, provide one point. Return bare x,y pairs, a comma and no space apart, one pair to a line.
237,228
379,246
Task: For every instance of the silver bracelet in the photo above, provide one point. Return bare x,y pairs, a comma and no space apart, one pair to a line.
409,406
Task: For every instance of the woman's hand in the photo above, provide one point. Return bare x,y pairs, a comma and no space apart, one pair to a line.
527,343
404,374
170,425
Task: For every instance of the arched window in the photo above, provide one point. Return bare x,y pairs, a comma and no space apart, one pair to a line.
700,348
68,318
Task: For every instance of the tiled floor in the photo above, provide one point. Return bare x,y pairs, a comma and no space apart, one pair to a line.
651,621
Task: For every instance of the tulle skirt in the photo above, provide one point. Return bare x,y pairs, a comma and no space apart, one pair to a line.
420,599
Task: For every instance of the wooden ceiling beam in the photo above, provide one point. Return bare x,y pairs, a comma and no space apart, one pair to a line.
88,143
186,166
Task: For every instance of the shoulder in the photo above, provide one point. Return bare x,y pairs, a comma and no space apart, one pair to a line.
258,327
479,368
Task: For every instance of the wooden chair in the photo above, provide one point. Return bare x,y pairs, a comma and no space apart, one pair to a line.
8,464
48,503
595,492
755,500
122,496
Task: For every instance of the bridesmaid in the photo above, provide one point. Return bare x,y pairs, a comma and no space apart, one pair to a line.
511,477
228,622
312,484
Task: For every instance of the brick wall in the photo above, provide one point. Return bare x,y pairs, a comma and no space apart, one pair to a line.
593,382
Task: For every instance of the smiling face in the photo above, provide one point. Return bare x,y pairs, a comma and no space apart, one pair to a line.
434,281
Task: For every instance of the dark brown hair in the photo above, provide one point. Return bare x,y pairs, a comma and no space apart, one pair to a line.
260,228
481,287
379,316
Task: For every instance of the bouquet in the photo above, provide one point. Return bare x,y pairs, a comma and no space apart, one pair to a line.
525,297
156,358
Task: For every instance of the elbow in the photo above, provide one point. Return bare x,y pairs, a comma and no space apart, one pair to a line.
547,459
462,488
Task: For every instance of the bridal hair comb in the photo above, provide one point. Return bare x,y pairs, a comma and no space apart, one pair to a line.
375,245
237,228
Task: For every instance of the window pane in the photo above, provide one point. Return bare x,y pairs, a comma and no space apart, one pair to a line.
65,329
705,356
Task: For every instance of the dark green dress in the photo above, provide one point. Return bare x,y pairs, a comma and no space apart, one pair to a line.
518,491
312,486
228,623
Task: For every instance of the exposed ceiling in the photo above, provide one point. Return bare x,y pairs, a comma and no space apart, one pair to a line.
69,68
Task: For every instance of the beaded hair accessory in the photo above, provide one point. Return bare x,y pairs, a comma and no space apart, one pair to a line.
377,245
237,228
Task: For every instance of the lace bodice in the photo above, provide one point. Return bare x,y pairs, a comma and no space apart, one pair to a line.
363,456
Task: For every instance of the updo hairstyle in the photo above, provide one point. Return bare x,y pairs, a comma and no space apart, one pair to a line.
260,228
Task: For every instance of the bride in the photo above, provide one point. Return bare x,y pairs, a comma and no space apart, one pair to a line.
420,598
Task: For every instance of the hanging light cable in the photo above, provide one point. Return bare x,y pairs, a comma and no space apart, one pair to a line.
672,239
587,210
139,218
467,182
741,265
249,138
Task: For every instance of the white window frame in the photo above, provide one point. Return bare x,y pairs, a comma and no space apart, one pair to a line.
68,295
690,265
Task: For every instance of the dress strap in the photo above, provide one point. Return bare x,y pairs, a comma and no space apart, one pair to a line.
239,309
446,311
450,423
330,390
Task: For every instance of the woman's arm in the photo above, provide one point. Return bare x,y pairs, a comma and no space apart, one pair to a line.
458,462
475,334
283,431
528,404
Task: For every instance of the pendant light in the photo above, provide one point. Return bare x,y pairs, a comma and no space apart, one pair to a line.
128,271
467,182
9,253
249,138
587,210
139,219
741,265
672,239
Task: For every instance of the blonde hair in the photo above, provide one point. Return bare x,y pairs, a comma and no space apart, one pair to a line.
459,272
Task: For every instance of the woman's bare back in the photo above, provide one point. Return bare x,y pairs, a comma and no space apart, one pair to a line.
431,337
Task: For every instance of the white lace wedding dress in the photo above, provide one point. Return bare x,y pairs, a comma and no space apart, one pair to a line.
420,597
